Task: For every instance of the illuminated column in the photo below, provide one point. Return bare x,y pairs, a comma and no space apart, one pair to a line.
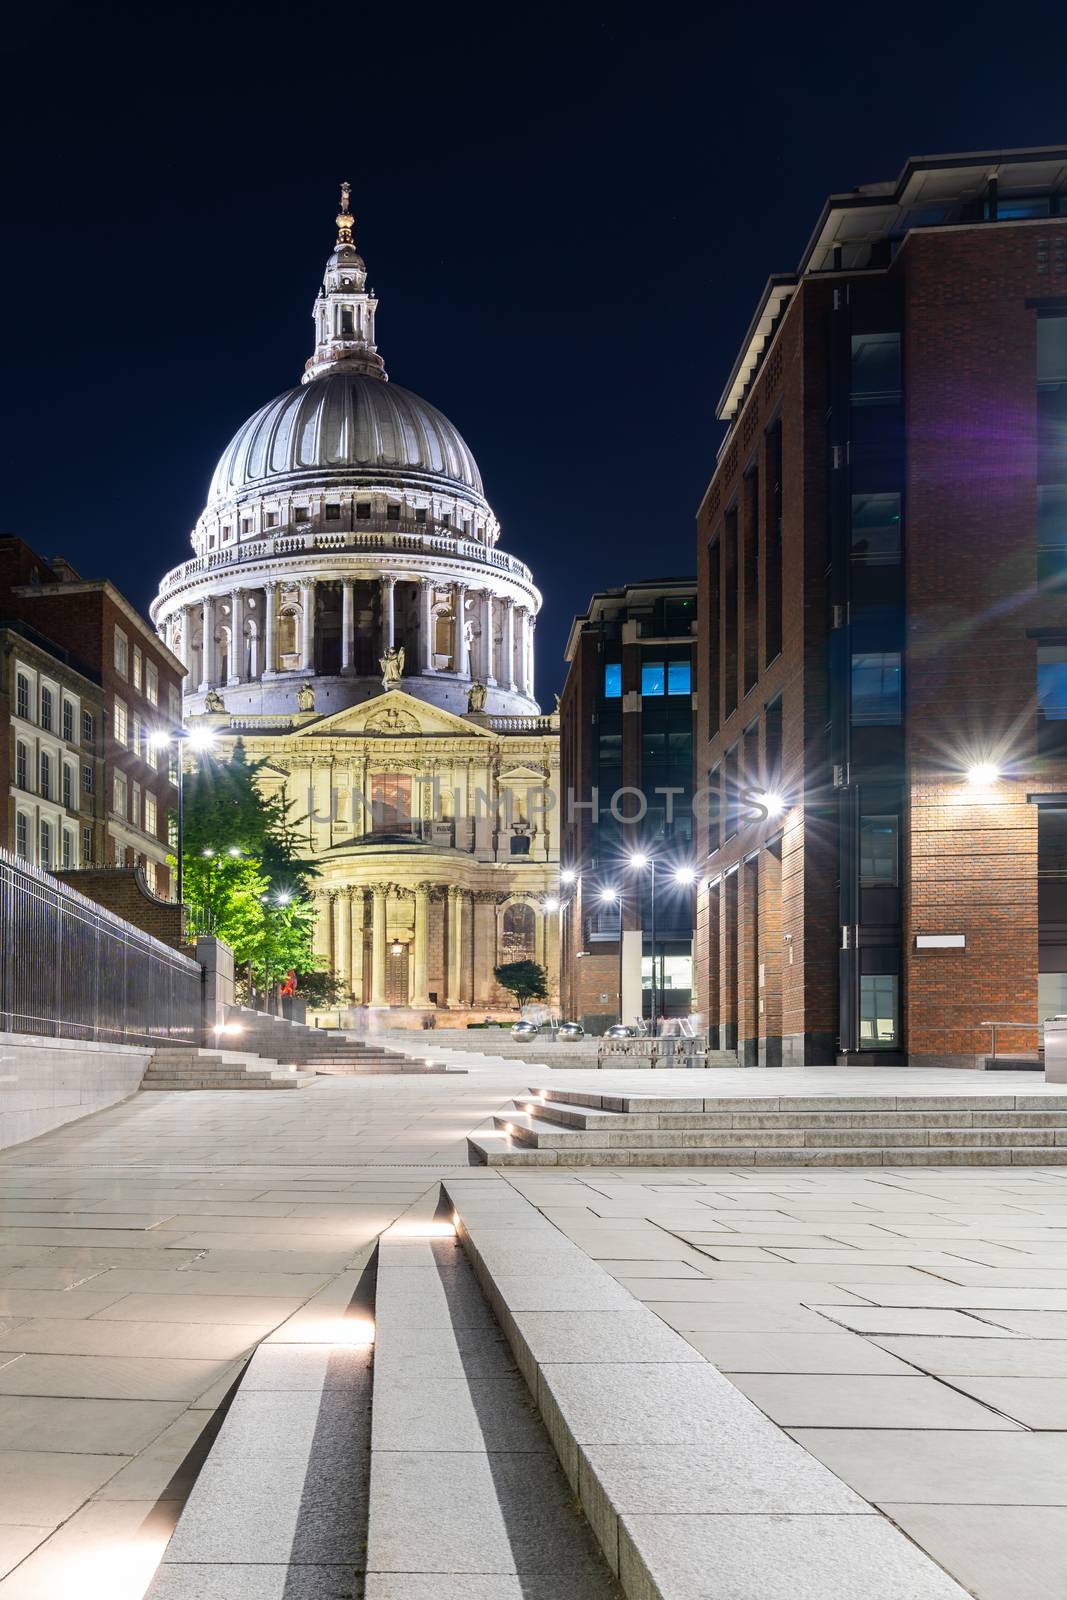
487,635
455,936
207,653
346,625
270,591
419,996
357,946
509,643
307,628
377,955
551,956
426,624
341,937
460,655
237,641
388,611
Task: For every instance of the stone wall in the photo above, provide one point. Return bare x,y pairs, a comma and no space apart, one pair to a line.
45,1083
124,891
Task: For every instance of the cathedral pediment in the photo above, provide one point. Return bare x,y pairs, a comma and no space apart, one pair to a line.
522,774
393,714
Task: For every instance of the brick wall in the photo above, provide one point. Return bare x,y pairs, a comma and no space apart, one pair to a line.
125,892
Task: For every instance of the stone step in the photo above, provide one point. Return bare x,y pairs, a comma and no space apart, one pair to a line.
498,1150
542,1135
575,1117
641,1103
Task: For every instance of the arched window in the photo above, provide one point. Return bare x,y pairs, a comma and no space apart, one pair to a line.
518,934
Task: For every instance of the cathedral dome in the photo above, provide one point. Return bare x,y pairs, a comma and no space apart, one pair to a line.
345,428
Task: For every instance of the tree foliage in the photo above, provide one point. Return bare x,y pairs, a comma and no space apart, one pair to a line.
243,870
524,979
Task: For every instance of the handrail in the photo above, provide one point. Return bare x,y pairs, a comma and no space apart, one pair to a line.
1033,1027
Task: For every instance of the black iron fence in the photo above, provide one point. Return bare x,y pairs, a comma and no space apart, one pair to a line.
72,970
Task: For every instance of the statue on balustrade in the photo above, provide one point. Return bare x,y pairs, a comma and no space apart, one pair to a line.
305,698
392,665
213,701
476,697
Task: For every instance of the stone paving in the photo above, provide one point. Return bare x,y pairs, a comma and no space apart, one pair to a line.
907,1327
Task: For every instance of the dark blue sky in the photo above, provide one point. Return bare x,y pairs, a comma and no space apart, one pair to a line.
568,212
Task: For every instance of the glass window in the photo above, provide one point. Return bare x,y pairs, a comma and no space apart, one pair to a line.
68,721
68,849
47,708
875,367
44,788
150,813
87,847
68,786
876,688
46,845
301,514
22,697
135,804
151,682
679,677
420,514
876,528
1051,350
22,835
122,653
138,666
88,727
362,510
879,853
22,765
87,780
1052,681
613,680
122,730
878,1008
174,704
120,794
653,678
333,511
392,514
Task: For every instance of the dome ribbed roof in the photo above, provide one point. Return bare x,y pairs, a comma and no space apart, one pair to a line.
345,428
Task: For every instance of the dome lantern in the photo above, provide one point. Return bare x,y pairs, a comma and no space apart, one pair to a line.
344,309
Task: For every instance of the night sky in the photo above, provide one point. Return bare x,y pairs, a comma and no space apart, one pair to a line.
567,211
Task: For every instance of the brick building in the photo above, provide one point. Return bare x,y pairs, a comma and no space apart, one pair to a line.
883,672
626,782
131,685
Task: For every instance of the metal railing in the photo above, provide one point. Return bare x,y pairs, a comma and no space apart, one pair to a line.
1028,1027
69,969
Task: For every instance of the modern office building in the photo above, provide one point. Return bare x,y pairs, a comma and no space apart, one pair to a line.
108,683
626,780
883,658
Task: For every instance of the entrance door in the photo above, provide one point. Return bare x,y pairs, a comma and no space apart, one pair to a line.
396,975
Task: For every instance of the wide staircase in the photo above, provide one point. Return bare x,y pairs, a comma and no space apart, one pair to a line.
573,1128
186,1067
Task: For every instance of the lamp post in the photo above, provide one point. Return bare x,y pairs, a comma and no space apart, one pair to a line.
681,875
198,739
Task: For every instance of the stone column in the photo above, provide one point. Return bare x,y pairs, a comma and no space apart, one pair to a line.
378,932
388,582
322,933
419,996
237,639
341,937
527,653
346,625
268,663
455,937
488,652
460,657
509,643
307,629
207,653
551,957
484,926
356,958
426,623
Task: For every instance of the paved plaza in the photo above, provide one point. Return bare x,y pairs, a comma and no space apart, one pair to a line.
906,1327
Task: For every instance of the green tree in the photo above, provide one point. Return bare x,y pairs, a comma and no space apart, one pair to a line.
524,979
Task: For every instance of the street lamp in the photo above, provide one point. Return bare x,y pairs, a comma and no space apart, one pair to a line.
683,876
982,774
201,739
568,876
